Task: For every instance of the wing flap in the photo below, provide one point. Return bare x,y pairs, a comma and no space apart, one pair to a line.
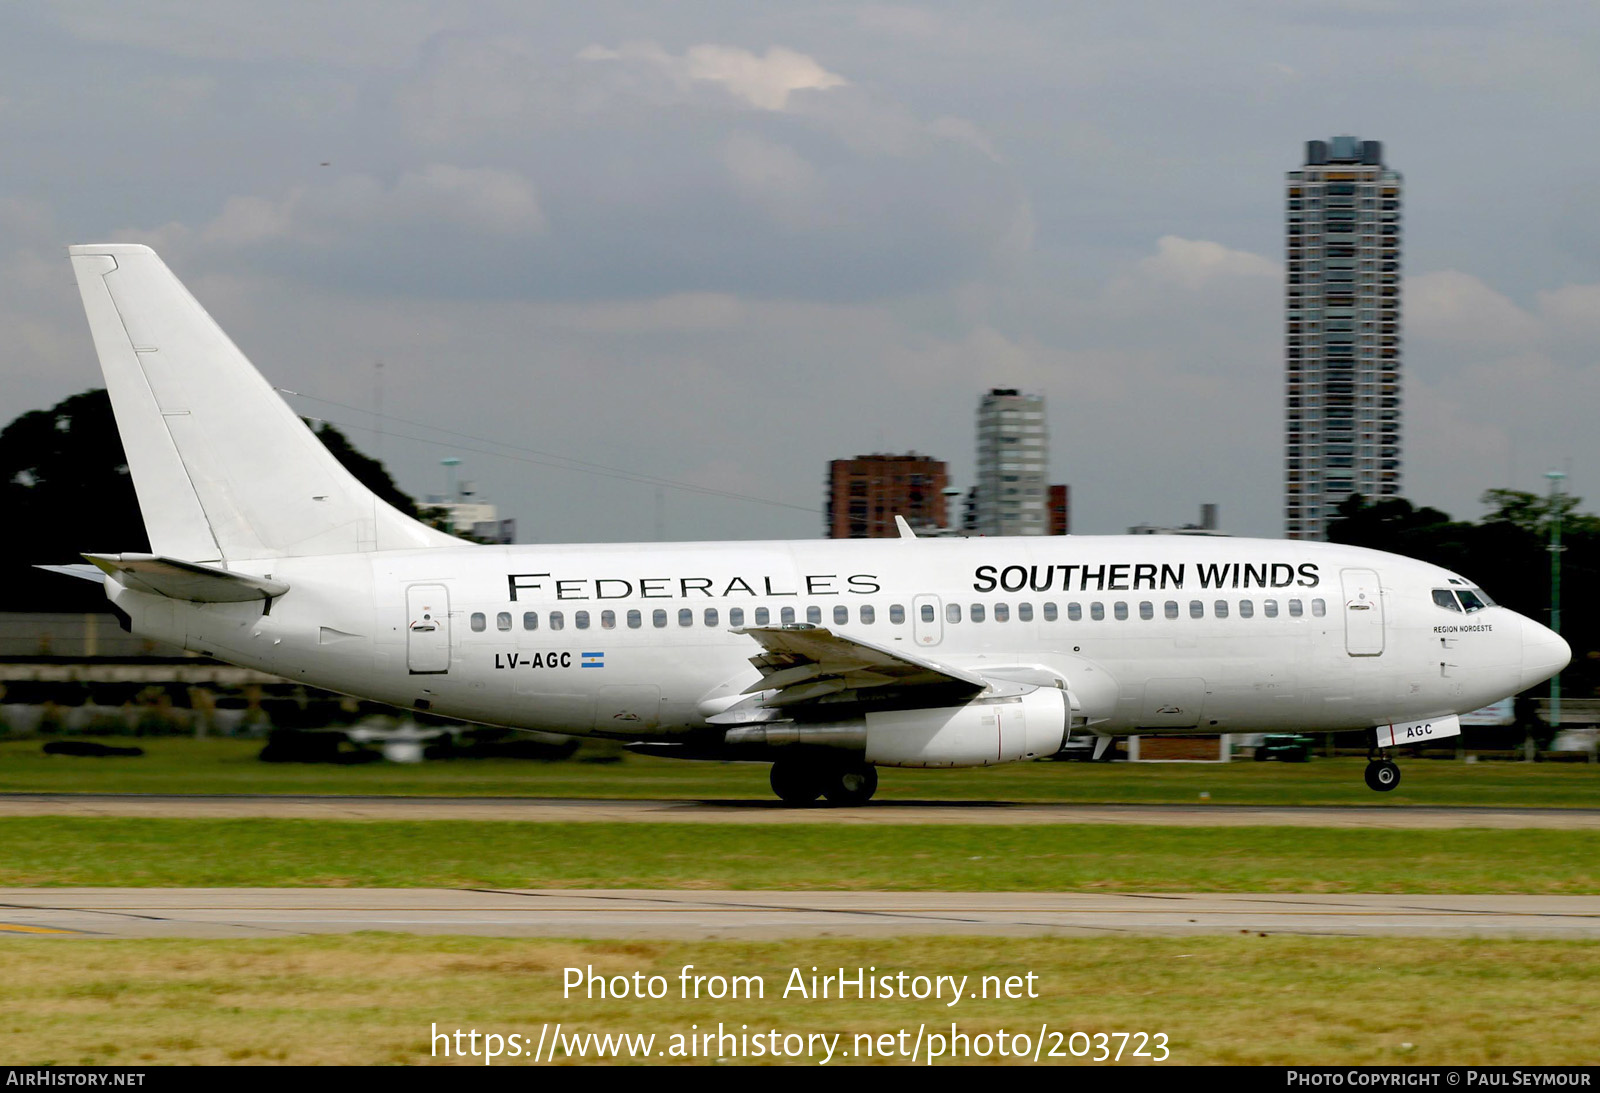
181,580
801,664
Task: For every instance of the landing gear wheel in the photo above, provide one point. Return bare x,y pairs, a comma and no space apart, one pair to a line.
852,785
1382,775
796,783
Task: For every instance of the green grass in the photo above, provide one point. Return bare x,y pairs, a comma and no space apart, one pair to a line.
375,998
230,766
94,851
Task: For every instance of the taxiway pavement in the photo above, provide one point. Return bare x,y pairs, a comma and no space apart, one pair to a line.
589,810
639,913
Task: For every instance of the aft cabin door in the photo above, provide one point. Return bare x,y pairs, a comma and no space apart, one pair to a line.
427,629
1363,613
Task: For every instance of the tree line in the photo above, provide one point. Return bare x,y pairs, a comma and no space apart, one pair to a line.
1507,552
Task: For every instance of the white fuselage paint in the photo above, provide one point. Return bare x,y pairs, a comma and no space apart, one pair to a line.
1382,651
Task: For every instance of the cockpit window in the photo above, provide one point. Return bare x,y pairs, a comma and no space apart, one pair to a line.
1472,599
1446,599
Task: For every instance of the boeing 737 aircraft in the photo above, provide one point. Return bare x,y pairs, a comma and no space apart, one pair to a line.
827,658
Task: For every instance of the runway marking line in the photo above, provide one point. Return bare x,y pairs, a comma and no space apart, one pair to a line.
1338,912
17,928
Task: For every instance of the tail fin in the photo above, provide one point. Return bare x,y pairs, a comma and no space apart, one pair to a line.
224,469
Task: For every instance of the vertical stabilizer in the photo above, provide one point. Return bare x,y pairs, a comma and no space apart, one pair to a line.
224,469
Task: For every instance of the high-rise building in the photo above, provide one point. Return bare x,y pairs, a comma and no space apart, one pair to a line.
1060,510
1342,335
1013,450
866,493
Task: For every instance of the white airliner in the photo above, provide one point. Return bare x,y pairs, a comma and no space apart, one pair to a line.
826,658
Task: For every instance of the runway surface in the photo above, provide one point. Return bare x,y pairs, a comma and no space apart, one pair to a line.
635,913
589,810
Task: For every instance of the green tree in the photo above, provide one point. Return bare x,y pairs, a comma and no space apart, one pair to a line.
1507,552
66,489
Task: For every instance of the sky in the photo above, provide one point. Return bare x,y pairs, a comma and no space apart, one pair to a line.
646,268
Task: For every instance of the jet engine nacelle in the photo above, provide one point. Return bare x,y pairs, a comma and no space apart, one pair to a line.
985,731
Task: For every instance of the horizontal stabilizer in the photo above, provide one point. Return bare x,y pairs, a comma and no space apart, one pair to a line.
80,570
180,580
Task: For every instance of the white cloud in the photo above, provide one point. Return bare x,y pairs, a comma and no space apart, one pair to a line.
1573,310
773,176
478,200
765,81
1451,306
1194,263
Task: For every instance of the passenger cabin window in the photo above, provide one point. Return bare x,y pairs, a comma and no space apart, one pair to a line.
927,612
530,620
786,616
814,615
479,621
711,616
1002,612
735,616
1097,611
580,619
841,615
1296,609
1024,612
763,617
1247,609
608,620
502,621
897,614
557,620
658,618
977,612
1197,610
1221,608
869,614
685,616
1120,609
1446,599
1319,608
1147,610
635,620
952,612
1049,612
1074,612
1171,609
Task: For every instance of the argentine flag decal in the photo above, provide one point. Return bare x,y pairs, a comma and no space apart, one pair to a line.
592,660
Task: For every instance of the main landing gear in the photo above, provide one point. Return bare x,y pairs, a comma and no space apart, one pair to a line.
1382,774
800,781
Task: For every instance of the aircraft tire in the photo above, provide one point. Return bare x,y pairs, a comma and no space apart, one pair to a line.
852,785
1382,775
796,783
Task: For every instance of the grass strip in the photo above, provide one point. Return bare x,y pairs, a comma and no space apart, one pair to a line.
105,851
375,998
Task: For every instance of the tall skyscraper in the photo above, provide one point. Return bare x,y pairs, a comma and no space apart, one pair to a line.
1013,450
1342,335
866,493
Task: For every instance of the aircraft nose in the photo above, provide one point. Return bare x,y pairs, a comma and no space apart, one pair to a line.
1544,653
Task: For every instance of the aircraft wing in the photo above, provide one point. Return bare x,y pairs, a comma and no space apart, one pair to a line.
805,663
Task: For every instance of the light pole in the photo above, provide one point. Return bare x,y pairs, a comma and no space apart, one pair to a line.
450,463
1556,548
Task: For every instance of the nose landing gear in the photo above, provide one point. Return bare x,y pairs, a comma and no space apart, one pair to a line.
1382,774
